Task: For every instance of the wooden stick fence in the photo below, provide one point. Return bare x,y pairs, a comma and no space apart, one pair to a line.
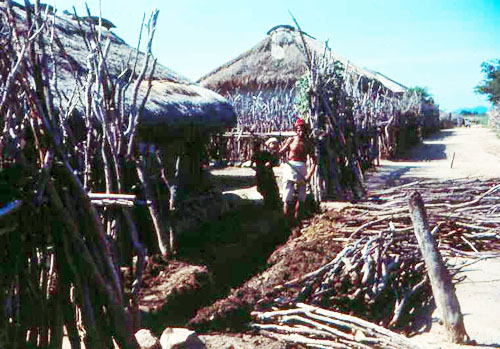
66,228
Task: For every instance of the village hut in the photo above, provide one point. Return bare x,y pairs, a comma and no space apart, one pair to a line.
88,127
97,84
174,101
178,116
290,72
263,82
272,67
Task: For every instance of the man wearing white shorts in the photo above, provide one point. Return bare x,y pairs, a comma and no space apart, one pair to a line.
295,173
294,179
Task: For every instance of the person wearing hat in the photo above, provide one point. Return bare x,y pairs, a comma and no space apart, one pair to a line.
295,173
263,162
272,144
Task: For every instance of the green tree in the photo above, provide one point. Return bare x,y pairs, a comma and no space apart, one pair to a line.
423,93
490,86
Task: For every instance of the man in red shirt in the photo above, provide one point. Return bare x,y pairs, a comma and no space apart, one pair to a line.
295,174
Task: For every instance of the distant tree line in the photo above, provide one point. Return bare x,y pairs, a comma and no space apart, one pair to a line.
423,93
469,112
490,86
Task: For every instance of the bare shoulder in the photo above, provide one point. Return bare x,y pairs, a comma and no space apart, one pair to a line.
287,143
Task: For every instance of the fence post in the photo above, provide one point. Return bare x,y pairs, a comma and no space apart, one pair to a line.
442,287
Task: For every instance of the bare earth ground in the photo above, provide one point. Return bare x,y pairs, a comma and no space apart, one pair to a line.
476,153
450,154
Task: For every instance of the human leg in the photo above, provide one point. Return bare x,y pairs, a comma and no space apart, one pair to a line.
289,202
301,198
288,190
297,209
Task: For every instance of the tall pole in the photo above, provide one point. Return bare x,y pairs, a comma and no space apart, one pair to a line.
442,287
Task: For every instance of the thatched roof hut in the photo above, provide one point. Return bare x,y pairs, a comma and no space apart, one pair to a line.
176,105
174,100
278,61
178,116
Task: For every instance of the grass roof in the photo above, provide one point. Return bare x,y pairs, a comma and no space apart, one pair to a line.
278,61
174,99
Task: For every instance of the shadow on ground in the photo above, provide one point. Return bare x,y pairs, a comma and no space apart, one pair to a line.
387,176
432,148
237,245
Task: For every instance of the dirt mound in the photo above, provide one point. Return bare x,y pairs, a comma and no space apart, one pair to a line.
307,248
212,259
172,291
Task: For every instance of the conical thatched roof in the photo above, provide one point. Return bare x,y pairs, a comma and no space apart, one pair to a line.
173,103
174,100
277,61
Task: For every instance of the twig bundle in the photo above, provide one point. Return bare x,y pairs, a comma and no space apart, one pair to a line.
317,327
463,212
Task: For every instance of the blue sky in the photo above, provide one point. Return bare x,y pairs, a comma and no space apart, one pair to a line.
437,44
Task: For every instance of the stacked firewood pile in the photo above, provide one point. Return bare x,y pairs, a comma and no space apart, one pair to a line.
320,328
62,248
464,213
380,275
380,278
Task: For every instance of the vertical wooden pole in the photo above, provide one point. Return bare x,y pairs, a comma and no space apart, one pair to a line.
442,287
163,241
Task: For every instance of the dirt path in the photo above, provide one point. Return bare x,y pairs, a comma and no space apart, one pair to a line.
449,154
475,152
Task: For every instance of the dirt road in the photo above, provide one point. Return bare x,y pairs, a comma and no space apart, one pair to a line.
451,154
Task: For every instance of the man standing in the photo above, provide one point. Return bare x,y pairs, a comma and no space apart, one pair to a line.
295,173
